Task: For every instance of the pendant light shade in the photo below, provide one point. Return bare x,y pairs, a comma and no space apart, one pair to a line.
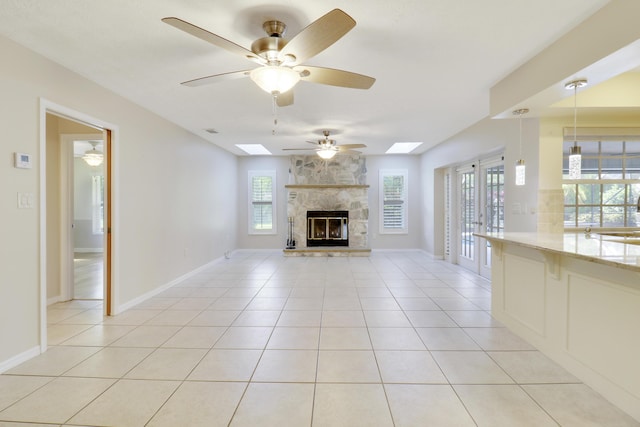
520,166
520,173
575,152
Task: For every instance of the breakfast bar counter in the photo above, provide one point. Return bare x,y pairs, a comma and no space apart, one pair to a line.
576,297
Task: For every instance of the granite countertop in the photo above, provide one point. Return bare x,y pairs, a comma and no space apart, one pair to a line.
617,251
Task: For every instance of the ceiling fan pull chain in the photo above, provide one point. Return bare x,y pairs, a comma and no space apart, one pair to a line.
274,111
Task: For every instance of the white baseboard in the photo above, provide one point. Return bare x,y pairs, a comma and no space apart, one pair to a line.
19,358
54,300
117,309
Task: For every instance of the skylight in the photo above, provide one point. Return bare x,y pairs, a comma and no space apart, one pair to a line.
254,149
403,147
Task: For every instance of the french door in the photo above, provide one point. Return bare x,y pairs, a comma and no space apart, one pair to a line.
480,209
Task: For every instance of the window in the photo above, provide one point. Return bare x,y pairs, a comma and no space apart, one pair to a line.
494,198
393,206
97,204
467,213
607,195
262,196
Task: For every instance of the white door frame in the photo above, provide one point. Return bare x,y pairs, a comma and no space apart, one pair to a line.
48,107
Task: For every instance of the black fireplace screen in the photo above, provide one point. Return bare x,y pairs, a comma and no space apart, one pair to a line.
327,228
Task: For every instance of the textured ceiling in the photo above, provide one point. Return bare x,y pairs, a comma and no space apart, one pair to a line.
434,61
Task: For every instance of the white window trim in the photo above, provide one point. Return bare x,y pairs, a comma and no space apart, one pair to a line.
274,222
97,204
393,172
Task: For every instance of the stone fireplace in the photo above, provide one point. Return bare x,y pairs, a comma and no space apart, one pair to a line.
331,186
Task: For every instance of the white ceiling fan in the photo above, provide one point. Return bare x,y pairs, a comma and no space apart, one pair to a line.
280,59
327,148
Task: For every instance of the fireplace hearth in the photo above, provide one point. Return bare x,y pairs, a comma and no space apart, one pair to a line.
327,228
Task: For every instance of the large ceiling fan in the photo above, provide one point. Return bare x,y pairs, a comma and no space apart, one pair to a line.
327,148
281,59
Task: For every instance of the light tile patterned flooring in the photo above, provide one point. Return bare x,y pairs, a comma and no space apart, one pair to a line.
88,273
396,339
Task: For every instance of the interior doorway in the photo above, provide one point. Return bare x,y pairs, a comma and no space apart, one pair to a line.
76,245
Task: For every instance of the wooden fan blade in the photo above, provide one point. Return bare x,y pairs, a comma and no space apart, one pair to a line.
214,39
349,152
350,146
333,77
285,99
216,78
317,36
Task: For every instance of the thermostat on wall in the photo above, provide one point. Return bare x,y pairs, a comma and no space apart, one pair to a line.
22,160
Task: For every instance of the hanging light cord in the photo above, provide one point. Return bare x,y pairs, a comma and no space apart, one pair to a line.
274,112
521,112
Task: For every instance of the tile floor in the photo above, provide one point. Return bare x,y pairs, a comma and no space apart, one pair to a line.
88,272
396,339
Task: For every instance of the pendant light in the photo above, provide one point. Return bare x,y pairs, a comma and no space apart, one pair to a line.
93,157
575,152
520,167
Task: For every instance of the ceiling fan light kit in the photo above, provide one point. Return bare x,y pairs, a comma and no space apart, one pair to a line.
327,148
274,79
280,59
327,153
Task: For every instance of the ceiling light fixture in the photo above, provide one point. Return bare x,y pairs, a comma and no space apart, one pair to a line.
274,79
575,152
327,153
520,167
93,157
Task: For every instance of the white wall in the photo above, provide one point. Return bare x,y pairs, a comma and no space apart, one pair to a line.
170,185
484,139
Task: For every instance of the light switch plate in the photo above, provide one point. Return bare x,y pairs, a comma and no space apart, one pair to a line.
25,200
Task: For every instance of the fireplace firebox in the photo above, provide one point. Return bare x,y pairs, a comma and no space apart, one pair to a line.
327,228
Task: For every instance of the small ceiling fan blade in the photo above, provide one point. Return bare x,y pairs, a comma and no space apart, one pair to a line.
318,36
333,77
285,99
349,152
214,39
217,78
350,146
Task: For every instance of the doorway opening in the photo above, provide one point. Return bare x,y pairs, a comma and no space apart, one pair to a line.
76,196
